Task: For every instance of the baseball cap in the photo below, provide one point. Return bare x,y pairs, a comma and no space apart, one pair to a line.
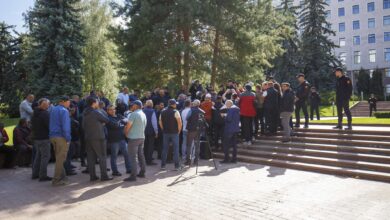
63,98
339,69
208,95
136,102
300,75
172,102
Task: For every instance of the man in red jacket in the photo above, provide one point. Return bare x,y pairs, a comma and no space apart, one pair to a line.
247,112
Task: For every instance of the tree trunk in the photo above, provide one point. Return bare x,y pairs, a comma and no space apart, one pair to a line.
179,58
186,65
215,59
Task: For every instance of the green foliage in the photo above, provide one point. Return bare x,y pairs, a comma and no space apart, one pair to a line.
363,82
376,84
99,52
55,58
12,75
174,41
317,49
382,114
327,97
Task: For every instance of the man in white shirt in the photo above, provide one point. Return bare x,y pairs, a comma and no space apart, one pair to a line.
184,113
124,96
25,108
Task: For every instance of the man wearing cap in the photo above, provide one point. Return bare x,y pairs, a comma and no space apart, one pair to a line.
60,137
135,132
343,95
247,112
315,100
171,125
193,117
302,94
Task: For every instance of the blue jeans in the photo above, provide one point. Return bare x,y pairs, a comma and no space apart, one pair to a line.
115,148
175,141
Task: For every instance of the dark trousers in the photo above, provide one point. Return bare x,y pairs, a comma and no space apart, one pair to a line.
230,141
42,158
271,120
247,127
343,105
158,144
9,156
97,149
69,157
23,155
149,147
259,121
298,106
372,107
193,136
218,134
315,108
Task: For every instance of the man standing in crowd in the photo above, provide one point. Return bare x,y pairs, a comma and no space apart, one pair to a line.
40,130
286,110
343,95
231,130
135,132
60,137
194,117
8,151
301,97
315,100
159,141
95,138
259,102
218,123
25,108
116,140
271,108
184,114
372,102
123,97
171,125
151,132
248,112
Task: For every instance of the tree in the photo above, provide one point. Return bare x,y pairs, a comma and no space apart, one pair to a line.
376,84
317,49
12,76
55,57
99,52
363,82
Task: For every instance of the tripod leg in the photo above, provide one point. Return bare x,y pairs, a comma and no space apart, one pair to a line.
211,153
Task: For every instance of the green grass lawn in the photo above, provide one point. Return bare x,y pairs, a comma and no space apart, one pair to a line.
9,124
326,110
373,120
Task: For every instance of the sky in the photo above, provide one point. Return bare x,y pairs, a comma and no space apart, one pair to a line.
11,12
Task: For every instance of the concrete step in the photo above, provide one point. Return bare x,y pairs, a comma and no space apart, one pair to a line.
336,131
361,165
376,144
355,173
327,147
320,153
349,136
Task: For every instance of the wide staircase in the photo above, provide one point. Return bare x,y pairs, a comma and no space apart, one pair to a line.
362,108
357,154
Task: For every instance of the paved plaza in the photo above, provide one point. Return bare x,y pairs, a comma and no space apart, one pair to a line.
235,191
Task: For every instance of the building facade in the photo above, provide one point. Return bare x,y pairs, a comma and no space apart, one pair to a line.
363,33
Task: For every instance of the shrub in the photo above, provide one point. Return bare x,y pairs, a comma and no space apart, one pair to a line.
382,114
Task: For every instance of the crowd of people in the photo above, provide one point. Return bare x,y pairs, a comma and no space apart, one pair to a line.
173,125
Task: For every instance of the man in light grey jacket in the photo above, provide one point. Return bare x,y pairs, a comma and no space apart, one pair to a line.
25,108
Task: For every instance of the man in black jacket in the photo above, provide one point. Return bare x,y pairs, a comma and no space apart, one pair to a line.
301,95
95,138
315,100
271,109
40,128
343,95
286,110
372,102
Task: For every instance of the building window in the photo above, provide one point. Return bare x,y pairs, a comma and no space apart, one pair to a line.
386,4
341,12
387,72
386,20
356,40
387,54
356,57
343,57
341,27
371,38
327,14
356,25
386,36
372,56
355,9
371,23
370,6
342,42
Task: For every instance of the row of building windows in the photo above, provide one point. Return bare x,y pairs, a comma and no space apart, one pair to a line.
371,39
371,56
370,8
371,23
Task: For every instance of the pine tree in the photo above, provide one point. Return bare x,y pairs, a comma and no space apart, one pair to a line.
376,84
99,52
12,76
363,83
55,57
317,57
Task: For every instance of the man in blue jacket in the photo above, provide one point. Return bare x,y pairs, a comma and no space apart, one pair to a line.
60,137
231,130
